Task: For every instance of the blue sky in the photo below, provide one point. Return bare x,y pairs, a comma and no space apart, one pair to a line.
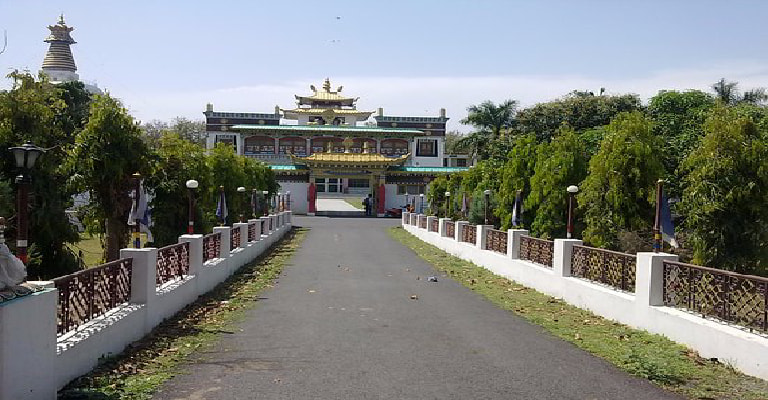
165,58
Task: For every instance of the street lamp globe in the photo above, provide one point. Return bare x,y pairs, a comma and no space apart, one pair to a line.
26,155
265,192
192,184
241,189
447,194
572,189
487,192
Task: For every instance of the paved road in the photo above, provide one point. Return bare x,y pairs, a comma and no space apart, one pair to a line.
341,325
324,204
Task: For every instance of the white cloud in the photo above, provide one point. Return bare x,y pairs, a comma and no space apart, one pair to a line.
425,96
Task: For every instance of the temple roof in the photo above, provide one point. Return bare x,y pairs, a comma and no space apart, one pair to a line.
349,159
320,111
327,129
326,95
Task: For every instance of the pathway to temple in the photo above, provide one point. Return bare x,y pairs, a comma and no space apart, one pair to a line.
341,324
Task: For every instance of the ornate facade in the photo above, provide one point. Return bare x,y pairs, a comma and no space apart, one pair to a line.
332,147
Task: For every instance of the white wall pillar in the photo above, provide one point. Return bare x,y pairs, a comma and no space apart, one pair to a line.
460,226
513,244
561,259
482,235
649,277
195,252
28,347
225,240
405,218
441,226
143,274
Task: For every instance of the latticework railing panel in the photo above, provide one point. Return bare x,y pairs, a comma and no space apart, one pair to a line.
435,225
469,234
605,266
211,246
90,293
735,298
423,221
537,250
172,263
234,238
450,229
496,241
252,232
271,225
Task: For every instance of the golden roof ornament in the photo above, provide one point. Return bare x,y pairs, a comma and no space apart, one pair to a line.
327,85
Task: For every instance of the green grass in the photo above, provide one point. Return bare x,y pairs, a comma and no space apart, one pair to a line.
355,202
653,357
91,248
140,370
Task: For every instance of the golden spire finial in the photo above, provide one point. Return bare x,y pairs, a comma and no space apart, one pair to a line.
327,85
61,19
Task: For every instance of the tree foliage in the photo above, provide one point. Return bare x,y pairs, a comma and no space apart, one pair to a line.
726,192
579,110
516,175
490,117
106,154
559,164
618,193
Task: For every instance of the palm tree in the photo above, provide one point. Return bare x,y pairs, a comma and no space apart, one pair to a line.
488,116
728,93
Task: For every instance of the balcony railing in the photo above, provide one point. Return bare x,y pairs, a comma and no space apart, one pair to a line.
469,234
90,293
731,297
605,266
252,232
496,241
211,246
537,250
234,238
450,229
435,225
172,263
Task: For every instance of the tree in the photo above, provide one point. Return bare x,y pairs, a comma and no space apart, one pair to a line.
617,194
49,116
475,144
106,154
728,93
678,119
724,198
193,131
580,111
489,117
561,163
176,161
227,170
451,139
516,175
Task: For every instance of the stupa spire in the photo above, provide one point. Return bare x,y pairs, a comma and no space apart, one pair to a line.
58,62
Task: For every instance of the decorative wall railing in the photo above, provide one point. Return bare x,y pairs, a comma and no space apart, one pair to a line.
469,234
90,293
211,246
252,232
423,221
728,296
435,225
172,263
270,225
496,241
234,238
537,250
605,266
450,229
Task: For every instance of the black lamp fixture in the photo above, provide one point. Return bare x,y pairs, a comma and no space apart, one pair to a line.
487,193
572,190
25,157
191,186
241,189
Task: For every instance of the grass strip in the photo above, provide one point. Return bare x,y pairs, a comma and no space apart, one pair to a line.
654,357
140,370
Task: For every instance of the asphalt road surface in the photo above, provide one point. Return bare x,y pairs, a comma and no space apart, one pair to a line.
341,324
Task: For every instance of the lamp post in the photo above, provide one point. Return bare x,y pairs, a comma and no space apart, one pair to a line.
241,189
191,186
421,207
279,202
24,157
572,190
137,222
266,201
254,199
487,193
447,204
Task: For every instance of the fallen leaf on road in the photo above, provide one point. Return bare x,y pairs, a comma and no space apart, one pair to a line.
414,297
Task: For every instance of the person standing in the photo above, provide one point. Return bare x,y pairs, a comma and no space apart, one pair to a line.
367,204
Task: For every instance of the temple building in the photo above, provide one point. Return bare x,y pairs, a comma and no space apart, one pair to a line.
333,148
59,64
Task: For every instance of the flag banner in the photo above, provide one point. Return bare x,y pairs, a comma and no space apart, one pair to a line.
667,226
517,209
464,203
221,208
141,211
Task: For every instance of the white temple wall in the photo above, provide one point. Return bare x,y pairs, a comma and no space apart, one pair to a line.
299,203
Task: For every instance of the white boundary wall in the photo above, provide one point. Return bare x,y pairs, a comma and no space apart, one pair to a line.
35,363
644,309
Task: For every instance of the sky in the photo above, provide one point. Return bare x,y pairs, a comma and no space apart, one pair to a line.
165,59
